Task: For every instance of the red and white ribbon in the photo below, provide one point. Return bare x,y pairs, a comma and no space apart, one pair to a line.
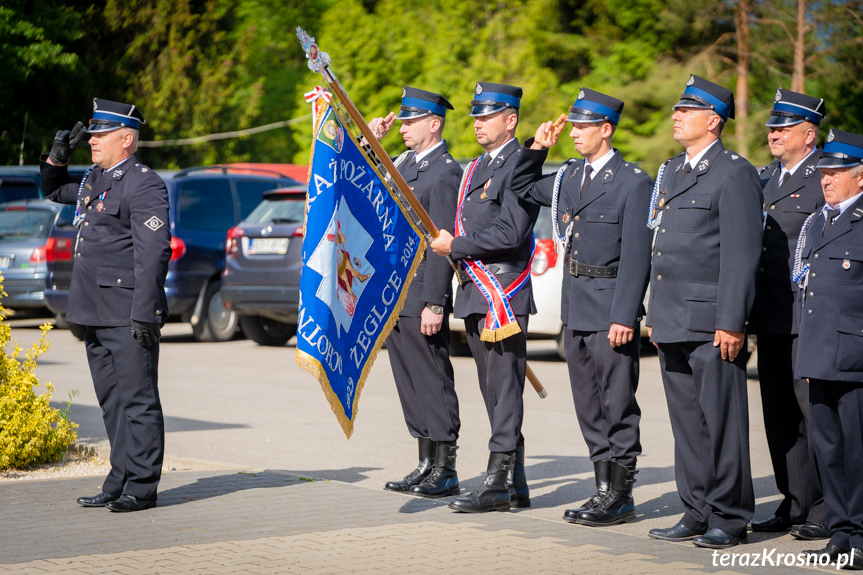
318,92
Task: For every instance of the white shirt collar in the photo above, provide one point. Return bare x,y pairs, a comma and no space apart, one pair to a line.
700,154
497,150
793,168
428,151
600,163
841,206
117,165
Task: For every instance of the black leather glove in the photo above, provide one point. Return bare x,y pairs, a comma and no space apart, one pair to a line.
65,143
146,332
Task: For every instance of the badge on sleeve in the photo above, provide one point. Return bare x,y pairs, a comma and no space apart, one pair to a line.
154,223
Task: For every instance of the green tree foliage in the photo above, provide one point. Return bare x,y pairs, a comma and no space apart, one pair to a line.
205,66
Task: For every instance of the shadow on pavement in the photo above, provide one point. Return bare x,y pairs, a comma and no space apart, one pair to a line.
225,484
348,475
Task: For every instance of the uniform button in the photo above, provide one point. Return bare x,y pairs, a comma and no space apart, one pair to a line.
576,234
601,217
119,281
772,208
761,270
575,253
816,256
89,207
468,199
658,254
577,218
693,202
662,230
158,312
768,228
667,208
659,278
812,294
798,207
763,249
808,312
812,275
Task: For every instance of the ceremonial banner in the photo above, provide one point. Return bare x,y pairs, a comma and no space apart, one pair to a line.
360,253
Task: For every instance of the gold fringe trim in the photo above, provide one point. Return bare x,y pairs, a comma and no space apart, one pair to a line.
312,365
501,333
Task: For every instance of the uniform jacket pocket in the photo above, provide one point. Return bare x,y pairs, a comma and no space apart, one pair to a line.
693,212
798,206
700,306
115,277
601,225
849,351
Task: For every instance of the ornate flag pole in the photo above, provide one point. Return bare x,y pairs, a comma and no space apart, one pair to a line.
320,62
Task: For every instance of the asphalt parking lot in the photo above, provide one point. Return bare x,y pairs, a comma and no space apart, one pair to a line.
237,405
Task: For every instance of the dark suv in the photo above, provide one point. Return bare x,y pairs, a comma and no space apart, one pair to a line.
205,203
264,258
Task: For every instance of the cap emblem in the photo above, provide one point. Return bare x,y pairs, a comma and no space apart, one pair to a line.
830,136
580,95
778,95
404,92
478,89
691,81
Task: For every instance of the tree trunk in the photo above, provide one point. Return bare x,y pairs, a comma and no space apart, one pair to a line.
799,75
741,97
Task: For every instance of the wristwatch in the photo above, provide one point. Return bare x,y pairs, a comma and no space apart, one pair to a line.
434,308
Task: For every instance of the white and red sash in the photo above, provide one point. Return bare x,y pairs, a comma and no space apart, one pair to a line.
500,320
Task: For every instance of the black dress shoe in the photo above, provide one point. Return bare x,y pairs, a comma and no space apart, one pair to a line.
855,562
772,524
97,501
716,538
128,503
810,531
832,552
679,532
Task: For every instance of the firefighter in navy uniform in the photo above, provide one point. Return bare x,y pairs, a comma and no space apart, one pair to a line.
419,343
705,260
601,202
792,191
830,353
117,292
494,233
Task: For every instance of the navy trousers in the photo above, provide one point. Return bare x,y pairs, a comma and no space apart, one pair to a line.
785,404
603,381
837,432
424,379
500,367
125,376
708,408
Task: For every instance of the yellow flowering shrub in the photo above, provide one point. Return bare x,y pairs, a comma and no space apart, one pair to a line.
31,431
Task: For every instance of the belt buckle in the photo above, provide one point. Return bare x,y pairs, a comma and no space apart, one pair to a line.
575,274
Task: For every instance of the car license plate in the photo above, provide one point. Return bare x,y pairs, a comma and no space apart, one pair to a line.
4,262
261,246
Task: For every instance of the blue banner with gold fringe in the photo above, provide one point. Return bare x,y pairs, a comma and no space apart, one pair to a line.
360,253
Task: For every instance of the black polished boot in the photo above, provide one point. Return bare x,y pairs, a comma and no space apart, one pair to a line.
617,506
602,473
415,477
492,494
516,480
443,480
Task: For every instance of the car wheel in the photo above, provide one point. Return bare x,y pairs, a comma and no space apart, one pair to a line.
266,331
77,330
561,347
217,323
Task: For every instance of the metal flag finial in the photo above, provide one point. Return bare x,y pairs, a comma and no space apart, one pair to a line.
317,60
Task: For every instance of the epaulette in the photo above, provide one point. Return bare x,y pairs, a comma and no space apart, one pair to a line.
732,155
767,167
857,214
632,168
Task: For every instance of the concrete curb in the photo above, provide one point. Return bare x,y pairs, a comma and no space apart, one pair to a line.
103,451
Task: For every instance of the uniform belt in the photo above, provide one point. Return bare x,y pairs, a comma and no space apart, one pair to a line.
496,269
580,269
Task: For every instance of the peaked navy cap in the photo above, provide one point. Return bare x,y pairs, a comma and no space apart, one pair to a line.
417,103
490,98
592,106
109,116
701,93
792,108
842,150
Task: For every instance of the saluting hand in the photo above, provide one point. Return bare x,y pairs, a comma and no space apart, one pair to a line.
381,126
65,143
548,133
